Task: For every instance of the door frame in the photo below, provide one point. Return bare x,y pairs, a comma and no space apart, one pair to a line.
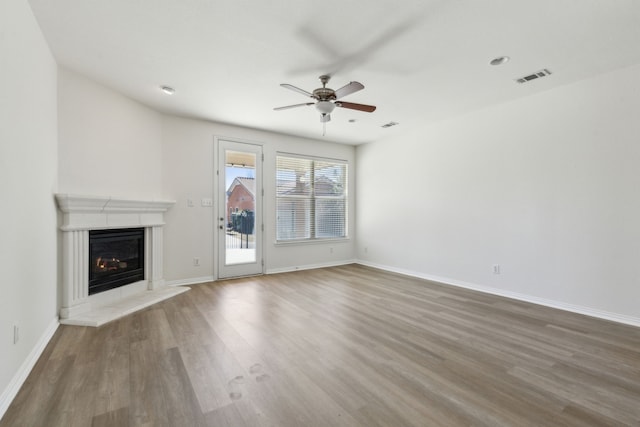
223,271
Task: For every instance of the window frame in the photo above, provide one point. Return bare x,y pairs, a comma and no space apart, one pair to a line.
312,198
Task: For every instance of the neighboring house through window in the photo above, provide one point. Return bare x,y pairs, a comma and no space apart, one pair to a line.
241,195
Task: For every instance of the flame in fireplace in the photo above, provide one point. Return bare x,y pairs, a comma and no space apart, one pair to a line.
109,264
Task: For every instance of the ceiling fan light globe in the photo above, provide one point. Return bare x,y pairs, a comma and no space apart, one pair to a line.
325,107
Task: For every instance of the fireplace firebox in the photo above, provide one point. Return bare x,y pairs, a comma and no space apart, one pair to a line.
116,258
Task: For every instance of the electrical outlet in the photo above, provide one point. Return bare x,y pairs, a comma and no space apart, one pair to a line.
496,268
330,250
196,262
366,250
189,203
16,334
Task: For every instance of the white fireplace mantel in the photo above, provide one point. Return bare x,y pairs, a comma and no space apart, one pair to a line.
80,214
95,212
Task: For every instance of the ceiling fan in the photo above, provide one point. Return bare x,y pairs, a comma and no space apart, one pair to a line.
327,99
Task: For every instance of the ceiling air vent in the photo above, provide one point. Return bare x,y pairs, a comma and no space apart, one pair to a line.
536,75
388,125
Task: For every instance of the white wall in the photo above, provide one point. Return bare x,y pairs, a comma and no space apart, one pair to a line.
110,145
546,186
188,165
28,168
172,158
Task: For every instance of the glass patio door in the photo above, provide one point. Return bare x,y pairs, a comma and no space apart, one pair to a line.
239,219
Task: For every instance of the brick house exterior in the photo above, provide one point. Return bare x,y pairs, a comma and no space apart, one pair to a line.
241,195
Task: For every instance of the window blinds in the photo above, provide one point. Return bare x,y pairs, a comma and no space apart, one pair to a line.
311,198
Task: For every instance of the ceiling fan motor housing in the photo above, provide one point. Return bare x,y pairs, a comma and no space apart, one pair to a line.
324,94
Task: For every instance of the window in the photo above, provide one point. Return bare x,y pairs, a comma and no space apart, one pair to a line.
311,198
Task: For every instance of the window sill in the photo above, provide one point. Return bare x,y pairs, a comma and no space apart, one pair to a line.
311,241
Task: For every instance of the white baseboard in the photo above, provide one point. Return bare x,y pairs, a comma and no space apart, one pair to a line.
191,281
588,311
205,279
23,372
309,266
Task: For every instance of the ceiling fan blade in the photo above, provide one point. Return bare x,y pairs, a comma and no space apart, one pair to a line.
348,89
359,107
293,106
297,89
324,118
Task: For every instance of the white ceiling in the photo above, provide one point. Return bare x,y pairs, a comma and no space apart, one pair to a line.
420,61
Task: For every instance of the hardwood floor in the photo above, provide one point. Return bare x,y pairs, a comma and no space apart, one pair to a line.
343,346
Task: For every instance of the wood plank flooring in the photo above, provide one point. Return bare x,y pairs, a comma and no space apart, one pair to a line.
342,346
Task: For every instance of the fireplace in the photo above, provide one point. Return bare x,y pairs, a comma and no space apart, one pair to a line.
111,257
116,258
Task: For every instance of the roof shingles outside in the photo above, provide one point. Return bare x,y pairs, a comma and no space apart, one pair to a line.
248,183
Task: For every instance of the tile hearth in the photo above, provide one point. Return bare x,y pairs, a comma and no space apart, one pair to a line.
111,311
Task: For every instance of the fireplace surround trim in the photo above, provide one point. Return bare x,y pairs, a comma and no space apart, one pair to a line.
83,213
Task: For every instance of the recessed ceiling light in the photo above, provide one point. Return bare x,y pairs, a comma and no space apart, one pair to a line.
499,60
168,90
